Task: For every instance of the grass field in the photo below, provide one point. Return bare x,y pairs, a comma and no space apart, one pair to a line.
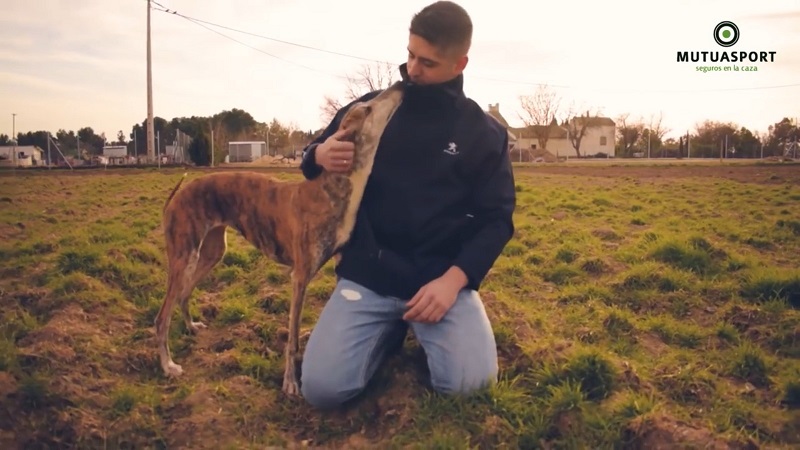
634,306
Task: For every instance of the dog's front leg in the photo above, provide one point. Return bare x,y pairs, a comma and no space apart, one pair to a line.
300,280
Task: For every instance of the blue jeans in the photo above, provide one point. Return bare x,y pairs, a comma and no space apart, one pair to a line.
351,337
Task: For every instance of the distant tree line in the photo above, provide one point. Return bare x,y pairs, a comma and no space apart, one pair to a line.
541,110
229,125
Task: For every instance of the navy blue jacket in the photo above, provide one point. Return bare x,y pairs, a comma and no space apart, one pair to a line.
441,193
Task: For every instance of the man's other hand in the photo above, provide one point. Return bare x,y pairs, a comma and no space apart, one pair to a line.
335,155
434,299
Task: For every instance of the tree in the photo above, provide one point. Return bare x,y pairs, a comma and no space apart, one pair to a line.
783,136
221,137
710,137
200,150
120,137
279,137
539,111
577,126
236,122
369,77
652,136
747,145
628,131
37,138
91,143
67,141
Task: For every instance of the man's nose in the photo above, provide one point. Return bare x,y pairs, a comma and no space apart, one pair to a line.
413,69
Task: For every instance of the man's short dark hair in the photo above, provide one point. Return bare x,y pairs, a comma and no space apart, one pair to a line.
445,25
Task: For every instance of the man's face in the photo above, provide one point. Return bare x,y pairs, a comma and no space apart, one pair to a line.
429,65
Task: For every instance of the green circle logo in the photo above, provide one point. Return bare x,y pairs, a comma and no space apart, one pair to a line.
726,33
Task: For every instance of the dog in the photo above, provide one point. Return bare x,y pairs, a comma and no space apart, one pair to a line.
297,224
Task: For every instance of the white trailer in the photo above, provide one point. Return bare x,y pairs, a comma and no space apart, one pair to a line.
246,151
115,151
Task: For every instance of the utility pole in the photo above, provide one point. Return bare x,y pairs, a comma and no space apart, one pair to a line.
150,133
14,138
212,147
688,148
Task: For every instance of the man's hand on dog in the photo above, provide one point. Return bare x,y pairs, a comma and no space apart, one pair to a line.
434,299
335,155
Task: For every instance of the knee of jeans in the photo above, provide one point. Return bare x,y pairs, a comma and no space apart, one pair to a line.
466,380
323,391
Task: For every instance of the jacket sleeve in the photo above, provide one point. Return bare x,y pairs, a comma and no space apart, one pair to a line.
308,161
493,205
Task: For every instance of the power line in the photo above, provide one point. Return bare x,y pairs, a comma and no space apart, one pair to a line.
281,41
200,23
205,23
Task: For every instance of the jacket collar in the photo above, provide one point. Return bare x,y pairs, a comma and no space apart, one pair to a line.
447,93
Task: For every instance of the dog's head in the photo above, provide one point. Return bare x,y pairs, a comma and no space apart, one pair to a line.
364,122
353,121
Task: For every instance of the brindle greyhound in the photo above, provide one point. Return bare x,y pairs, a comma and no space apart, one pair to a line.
297,224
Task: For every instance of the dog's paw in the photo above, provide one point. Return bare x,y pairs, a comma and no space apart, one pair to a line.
291,387
197,326
173,370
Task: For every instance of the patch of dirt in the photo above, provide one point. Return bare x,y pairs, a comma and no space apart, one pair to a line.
628,377
662,432
9,232
606,234
197,422
8,384
36,301
744,318
652,344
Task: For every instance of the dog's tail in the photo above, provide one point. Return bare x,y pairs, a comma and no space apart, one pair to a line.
174,190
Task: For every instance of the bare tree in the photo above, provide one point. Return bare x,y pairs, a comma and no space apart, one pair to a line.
653,133
220,141
577,126
656,126
370,77
629,131
539,111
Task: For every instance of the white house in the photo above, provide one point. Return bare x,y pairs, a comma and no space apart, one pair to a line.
26,155
246,151
599,138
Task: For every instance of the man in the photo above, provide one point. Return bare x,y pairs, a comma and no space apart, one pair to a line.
436,213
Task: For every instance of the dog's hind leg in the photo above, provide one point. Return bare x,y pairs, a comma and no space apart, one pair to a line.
212,249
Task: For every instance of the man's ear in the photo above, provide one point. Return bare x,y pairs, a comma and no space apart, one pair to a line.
462,63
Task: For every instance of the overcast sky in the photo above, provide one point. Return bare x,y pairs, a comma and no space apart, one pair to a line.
67,64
